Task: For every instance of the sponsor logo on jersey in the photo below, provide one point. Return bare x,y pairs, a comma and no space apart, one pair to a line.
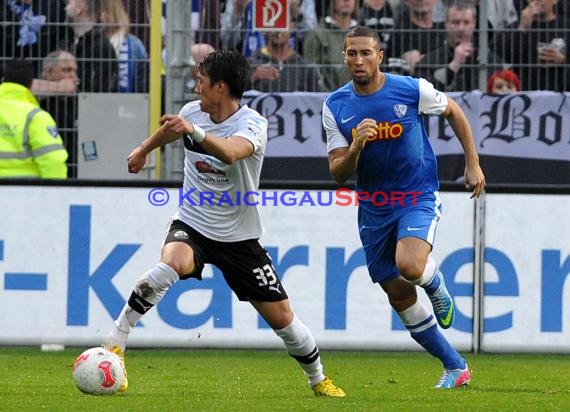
205,166
386,131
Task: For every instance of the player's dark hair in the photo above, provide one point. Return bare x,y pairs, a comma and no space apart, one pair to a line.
228,66
363,31
19,71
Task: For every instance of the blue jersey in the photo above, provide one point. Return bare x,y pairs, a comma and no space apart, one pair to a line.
399,158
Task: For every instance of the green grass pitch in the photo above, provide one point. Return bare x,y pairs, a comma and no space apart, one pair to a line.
255,380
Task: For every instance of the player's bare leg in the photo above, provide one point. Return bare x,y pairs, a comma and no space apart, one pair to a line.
416,265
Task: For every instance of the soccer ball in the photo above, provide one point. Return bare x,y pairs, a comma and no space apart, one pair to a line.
98,371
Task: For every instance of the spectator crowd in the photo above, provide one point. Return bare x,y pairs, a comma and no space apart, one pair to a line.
102,45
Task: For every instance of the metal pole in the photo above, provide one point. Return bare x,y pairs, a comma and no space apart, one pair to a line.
483,45
155,89
479,223
177,67
479,273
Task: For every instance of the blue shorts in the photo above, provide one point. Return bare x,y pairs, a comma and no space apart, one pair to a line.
380,233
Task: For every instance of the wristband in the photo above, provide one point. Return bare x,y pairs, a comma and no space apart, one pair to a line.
199,134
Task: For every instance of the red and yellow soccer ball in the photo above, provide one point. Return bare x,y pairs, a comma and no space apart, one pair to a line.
98,371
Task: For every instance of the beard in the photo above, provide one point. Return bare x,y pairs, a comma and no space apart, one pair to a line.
362,81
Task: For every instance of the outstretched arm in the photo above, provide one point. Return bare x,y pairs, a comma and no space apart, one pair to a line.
474,177
138,156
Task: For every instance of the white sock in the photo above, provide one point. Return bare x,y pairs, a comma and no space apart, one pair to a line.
117,337
160,278
151,286
417,314
429,273
301,345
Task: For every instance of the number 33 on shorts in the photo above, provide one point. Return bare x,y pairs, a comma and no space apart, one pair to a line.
267,277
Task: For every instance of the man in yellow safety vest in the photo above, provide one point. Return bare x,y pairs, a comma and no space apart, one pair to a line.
30,144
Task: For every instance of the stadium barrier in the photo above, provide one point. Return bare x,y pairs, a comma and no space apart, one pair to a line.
69,257
521,138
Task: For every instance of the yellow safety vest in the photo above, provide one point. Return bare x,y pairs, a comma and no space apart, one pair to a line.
30,144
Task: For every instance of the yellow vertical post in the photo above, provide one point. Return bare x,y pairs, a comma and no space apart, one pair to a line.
155,90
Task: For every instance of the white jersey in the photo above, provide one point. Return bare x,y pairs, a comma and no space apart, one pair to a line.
215,199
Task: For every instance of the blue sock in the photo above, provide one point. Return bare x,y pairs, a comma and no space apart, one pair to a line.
436,344
423,328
